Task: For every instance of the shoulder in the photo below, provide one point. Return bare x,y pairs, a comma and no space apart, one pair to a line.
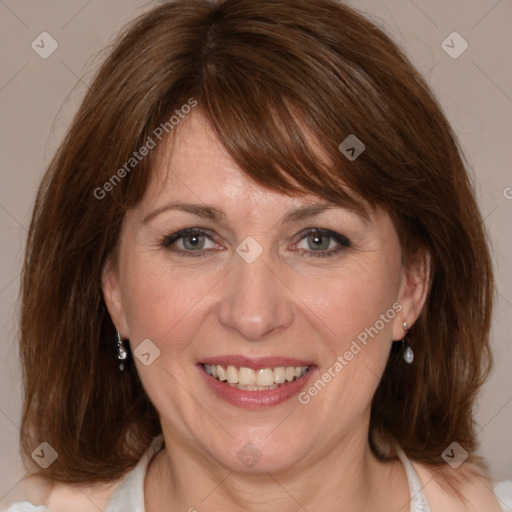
476,488
36,494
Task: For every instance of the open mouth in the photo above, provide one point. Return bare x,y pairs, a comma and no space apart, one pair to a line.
249,379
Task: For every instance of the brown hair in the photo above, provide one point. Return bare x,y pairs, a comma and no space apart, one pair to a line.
265,73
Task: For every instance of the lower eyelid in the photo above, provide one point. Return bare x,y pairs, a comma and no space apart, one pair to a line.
323,254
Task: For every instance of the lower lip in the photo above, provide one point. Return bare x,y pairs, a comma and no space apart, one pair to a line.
256,399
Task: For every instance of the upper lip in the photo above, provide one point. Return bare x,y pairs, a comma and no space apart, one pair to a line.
255,362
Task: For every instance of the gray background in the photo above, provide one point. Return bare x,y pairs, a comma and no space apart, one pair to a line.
38,98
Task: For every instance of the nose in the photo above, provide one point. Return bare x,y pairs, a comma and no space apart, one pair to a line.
256,302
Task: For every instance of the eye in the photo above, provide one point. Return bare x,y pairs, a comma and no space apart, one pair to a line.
313,242
321,242
189,240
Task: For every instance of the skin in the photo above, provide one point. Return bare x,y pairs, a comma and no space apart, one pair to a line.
285,303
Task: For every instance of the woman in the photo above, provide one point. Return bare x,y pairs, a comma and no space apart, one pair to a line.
257,275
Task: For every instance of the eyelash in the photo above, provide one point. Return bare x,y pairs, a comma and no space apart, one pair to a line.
343,242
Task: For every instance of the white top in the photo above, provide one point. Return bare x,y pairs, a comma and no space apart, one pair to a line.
129,495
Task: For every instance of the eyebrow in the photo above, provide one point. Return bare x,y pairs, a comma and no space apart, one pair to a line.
201,210
210,212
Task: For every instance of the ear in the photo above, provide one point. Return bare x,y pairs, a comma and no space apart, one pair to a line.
413,290
112,295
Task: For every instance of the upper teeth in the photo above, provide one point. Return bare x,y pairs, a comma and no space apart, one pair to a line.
249,377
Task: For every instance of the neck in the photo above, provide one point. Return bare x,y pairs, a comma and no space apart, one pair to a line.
348,474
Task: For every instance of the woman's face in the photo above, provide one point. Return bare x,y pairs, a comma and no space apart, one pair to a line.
254,292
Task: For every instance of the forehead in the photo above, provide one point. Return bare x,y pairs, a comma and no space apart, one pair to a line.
194,166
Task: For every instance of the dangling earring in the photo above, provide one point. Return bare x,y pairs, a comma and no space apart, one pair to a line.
121,351
408,353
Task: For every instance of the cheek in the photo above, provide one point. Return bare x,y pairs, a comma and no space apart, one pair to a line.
354,300
354,315
161,301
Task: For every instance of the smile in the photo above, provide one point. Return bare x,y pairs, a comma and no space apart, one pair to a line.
256,383
249,379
